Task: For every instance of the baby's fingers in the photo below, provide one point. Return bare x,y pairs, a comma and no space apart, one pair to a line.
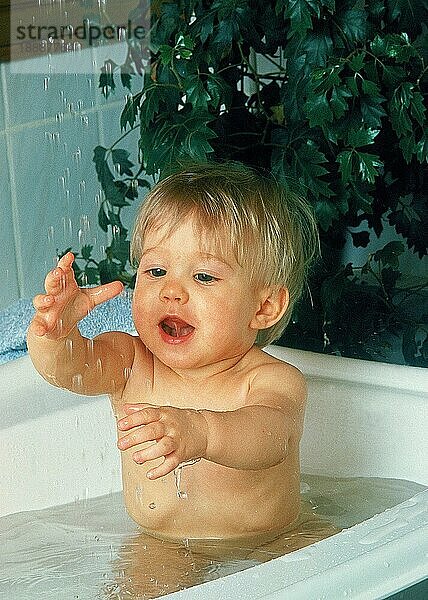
38,327
168,466
61,276
143,415
42,323
42,302
66,261
105,292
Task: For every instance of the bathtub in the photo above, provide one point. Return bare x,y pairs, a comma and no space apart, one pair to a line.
363,419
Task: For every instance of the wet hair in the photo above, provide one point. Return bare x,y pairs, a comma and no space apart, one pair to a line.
270,230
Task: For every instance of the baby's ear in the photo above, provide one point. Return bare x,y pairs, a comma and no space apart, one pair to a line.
273,304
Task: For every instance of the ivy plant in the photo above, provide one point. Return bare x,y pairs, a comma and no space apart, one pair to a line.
329,96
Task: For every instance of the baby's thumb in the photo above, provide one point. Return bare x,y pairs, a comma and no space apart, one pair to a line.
104,292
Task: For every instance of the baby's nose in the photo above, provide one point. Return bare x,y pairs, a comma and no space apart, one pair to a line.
174,292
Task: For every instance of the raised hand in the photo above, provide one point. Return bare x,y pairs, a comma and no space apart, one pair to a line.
64,304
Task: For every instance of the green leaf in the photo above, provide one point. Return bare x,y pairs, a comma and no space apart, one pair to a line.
357,62
338,101
186,134
317,46
103,220
367,166
114,194
166,54
318,111
417,108
117,194
394,46
109,271
392,75
344,159
389,254
125,78
362,137
370,87
372,111
351,82
325,212
334,287
360,239
121,160
323,79
407,145
218,90
130,111
86,251
353,23
196,93
106,83
398,105
150,105
114,220
307,167
196,143
299,12
120,249
91,275
415,346
422,149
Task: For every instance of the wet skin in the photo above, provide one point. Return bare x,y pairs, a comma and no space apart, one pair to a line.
192,385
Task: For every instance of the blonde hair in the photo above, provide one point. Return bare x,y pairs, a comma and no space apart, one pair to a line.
271,231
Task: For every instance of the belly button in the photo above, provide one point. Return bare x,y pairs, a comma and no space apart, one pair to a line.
152,505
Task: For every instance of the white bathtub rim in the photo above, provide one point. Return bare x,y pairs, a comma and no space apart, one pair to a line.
413,379
339,566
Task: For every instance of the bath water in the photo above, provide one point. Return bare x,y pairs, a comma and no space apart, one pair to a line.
91,549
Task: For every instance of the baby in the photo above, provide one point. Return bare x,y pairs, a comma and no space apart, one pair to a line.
222,254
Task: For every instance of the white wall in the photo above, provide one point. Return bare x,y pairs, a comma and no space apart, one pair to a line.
49,125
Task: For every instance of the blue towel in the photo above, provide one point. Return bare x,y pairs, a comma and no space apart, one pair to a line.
113,315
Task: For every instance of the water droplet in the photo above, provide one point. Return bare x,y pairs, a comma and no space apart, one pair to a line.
77,155
69,348
67,227
77,382
99,366
60,326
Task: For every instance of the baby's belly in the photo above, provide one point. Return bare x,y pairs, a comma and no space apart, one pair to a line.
212,501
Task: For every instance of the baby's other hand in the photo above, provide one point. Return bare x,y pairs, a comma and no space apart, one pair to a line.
181,435
64,303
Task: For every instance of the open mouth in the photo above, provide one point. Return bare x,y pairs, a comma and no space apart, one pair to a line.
175,329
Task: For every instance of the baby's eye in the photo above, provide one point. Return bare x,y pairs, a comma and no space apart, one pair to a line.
156,272
205,278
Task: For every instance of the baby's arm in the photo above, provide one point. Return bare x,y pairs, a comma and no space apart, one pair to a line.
255,436
60,353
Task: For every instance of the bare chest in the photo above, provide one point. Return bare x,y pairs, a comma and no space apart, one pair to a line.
228,394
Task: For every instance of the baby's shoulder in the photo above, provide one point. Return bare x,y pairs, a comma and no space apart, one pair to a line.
277,376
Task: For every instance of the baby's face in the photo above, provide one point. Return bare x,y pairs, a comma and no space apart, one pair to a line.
192,307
